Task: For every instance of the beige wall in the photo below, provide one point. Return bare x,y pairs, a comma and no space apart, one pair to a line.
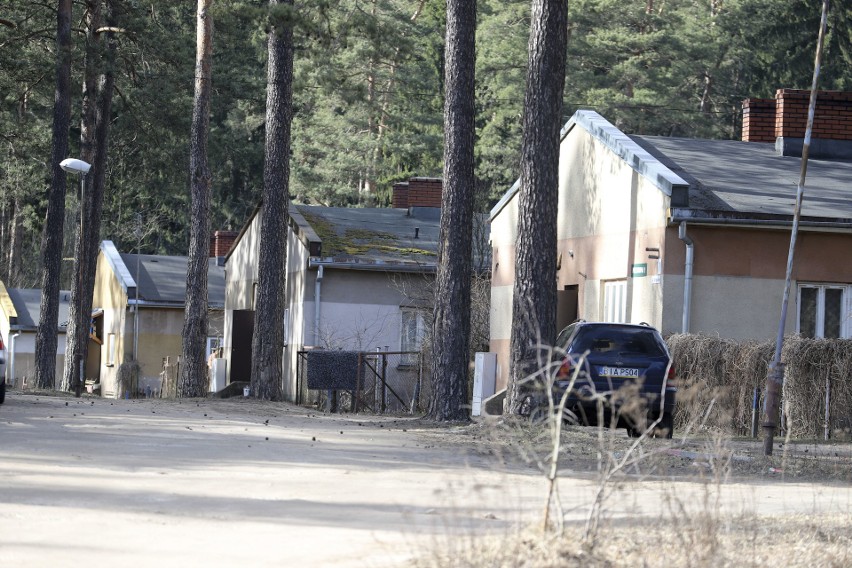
738,281
112,299
240,277
608,215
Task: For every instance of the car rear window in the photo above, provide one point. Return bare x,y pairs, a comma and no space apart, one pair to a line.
603,339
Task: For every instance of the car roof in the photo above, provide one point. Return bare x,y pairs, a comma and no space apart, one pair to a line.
612,324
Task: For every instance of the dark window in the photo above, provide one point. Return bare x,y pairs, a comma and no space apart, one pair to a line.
604,339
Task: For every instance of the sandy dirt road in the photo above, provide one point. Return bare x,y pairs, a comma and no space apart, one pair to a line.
94,482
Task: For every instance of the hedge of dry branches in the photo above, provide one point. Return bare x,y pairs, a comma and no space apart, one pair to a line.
718,377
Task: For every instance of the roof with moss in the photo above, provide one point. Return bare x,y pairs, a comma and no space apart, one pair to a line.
374,234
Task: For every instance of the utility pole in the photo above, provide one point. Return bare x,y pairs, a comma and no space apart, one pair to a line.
775,375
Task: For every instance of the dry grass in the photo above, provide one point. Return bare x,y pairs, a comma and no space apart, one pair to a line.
727,372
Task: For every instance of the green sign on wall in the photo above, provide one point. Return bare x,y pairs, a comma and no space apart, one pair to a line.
639,270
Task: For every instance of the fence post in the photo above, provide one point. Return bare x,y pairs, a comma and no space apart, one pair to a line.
827,431
357,383
384,382
415,399
755,405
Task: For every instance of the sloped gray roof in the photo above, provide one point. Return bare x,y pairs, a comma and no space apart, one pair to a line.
385,235
27,302
162,279
378,234
750,177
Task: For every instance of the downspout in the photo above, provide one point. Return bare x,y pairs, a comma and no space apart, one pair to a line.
687,274
317,295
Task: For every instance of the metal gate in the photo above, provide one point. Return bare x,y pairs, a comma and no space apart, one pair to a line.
384,381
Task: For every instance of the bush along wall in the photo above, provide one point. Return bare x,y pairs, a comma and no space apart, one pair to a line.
718,378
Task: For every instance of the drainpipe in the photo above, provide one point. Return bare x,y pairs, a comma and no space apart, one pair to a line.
317,294
687,274
11,370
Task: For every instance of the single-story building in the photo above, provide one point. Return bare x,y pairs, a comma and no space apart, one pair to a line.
356,279
20,309
693,235
154,287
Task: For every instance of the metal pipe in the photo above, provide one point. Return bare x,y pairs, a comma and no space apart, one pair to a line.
11,369
317,295
775,376
687,275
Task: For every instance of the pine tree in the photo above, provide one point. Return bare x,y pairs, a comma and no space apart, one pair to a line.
268,341
451,317
534,294
52,233
193,368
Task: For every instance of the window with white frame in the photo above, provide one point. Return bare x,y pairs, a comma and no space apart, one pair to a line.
411,333
825,311
615,301
213,345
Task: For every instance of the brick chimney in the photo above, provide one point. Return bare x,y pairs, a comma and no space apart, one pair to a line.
759,120
424,192
221,242
399,200
831,137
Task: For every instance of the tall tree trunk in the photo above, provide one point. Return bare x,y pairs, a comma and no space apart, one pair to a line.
76,333
451,317
193,369
96,149
51,241
268,343
534,295
16,236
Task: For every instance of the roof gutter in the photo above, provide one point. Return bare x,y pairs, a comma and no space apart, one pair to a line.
315,262
677,215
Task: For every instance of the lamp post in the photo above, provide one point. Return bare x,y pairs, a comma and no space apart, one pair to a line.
80,167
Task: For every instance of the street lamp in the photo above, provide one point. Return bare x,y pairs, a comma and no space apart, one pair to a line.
80,167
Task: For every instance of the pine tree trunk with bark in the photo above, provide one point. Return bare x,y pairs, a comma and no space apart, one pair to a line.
76,330
52,235
268,342
451,317
534,294
193,364
97,109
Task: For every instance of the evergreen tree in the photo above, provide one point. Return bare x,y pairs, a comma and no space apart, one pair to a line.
268,339
534,292
451,316
193,369
52,233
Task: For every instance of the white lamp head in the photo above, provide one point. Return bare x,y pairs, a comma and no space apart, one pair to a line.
75,166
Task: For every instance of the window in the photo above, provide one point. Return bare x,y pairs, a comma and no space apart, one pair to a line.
213,346
110,353
824,311
615,301
411,334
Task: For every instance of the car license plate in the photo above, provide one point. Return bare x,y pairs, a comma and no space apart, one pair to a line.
628,372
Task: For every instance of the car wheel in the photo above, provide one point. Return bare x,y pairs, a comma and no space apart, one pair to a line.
665,429
2,392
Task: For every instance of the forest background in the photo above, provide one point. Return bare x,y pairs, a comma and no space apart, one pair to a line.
368,98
